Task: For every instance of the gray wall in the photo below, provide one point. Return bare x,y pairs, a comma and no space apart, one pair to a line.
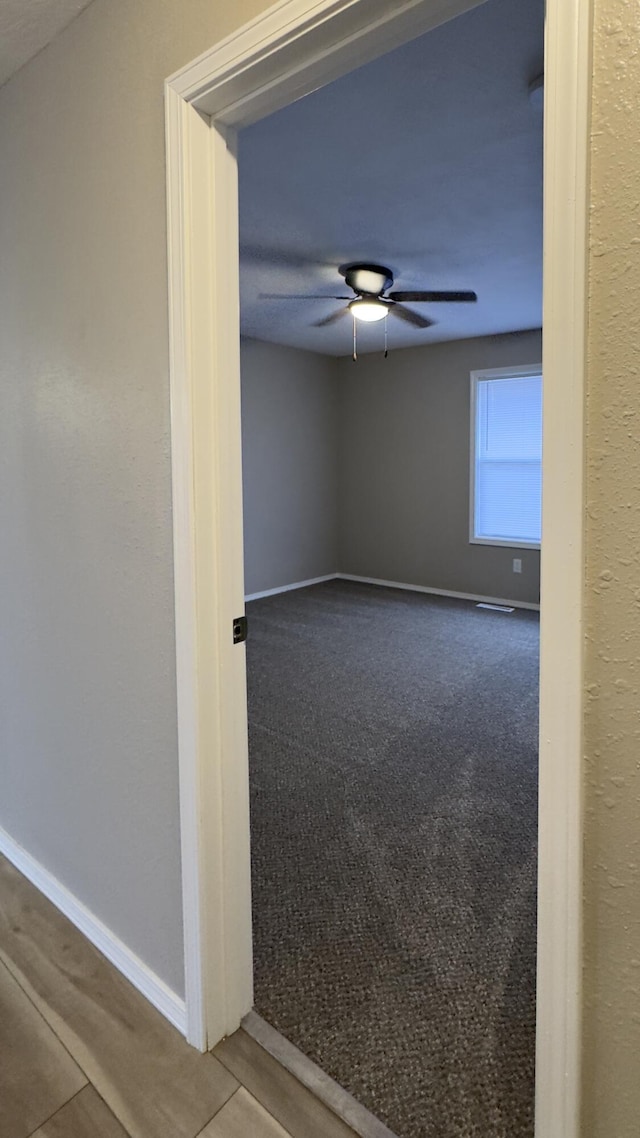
89,771
289,465
404,469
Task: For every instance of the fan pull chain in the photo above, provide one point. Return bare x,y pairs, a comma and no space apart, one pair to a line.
355,345
386,350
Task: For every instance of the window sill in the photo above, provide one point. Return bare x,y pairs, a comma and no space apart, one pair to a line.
505,543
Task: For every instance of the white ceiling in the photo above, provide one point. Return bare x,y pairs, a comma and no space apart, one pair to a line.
26,26
427,161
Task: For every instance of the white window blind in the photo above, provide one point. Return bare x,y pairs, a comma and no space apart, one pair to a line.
507,457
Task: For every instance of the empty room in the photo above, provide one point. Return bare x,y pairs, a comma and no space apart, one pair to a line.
391,264
392,827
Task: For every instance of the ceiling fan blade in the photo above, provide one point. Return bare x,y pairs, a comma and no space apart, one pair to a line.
434,297
331,319
299,296
410,317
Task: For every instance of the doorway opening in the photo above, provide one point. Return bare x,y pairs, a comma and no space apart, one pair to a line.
393,730
278,57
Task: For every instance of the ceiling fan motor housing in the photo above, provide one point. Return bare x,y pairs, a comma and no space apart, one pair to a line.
368,280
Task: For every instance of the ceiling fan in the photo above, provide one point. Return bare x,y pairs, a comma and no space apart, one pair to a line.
373,301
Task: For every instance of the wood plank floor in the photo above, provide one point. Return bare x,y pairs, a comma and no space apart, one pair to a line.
292,1105
83,1055
37,1074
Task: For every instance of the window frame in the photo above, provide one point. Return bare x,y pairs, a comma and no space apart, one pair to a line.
519,372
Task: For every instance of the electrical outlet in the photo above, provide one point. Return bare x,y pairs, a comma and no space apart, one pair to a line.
517,565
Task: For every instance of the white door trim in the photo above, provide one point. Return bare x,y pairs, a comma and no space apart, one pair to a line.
569,30
289,50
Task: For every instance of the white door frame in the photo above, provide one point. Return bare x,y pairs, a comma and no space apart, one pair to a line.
288,51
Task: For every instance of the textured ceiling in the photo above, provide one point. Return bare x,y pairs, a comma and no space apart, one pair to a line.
26,26
428,161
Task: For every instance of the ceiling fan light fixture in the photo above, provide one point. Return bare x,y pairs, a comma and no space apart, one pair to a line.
368,309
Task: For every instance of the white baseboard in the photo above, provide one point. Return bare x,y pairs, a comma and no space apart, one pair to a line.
289,588
136,971
438,592
393,585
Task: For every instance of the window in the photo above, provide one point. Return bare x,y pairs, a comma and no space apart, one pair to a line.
506,456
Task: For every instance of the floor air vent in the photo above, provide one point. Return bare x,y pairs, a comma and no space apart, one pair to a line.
494,608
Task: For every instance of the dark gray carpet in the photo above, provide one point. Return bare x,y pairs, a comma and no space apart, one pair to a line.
393,779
